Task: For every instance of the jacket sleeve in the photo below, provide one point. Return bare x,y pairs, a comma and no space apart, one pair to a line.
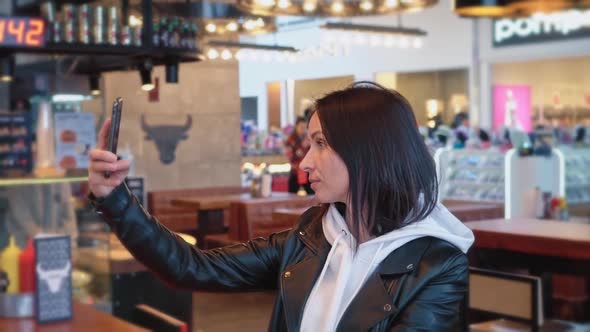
248,266
440,305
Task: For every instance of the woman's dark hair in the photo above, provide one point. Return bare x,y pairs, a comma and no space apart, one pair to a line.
299,120
392,176
483,135
458,120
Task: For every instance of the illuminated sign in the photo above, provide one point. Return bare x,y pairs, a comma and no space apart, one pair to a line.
22,31
542,27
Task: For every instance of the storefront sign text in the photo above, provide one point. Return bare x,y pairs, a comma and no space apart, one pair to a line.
542,27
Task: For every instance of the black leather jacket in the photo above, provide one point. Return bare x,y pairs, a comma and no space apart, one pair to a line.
418,287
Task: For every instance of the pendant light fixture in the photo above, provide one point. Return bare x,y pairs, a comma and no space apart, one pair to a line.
7,69
529,7
94,83
145,74
332,8
482,8
513,8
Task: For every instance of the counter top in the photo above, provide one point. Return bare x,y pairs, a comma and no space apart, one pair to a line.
85,318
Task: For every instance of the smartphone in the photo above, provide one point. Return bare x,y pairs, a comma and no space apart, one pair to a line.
114,128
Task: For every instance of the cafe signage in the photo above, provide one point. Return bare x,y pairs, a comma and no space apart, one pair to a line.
22,31
542,27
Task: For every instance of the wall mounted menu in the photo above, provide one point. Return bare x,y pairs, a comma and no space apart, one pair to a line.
74,138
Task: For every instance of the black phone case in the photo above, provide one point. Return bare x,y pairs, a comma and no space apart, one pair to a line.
115,123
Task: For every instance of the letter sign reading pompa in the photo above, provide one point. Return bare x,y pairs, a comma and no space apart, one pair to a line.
542,27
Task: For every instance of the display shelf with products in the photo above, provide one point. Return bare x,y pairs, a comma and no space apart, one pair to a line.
100,37
471,175
15,143
577,175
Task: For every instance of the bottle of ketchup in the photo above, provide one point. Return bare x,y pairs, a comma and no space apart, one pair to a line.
26,263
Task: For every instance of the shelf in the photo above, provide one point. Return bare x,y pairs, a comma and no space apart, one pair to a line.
473,183
467,199
34,7
34,180
106,49
483,167
106,58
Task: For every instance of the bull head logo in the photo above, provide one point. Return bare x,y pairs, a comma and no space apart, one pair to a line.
54,278
166,137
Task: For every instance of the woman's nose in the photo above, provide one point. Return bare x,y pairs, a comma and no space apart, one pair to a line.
306,164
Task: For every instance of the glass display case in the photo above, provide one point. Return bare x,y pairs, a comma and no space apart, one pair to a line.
471,175
577,175
34,206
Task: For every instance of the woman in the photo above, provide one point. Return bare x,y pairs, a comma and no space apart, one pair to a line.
296,146
378,254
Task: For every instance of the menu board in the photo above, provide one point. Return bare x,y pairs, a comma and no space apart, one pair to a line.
74,138
53,294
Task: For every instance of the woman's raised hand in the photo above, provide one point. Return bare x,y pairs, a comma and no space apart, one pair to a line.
102,160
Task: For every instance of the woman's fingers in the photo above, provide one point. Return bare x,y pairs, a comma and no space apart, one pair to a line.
102,155
113,167
101,166
103,134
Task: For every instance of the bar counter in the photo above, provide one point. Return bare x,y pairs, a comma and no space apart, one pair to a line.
85,318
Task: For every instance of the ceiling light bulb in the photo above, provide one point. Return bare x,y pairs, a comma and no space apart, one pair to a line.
404,42
389,41
240,55
232,26
226,54
260,22
284,4
212,54
309,6
210,27
135,21
249,24
417,43
265,3
6,78
391,4
375,41
366,5
337,7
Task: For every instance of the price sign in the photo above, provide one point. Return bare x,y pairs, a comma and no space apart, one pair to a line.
22,31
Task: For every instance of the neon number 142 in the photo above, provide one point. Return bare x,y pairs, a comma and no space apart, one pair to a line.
34,33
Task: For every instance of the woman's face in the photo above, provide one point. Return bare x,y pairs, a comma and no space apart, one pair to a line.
327,172
300,129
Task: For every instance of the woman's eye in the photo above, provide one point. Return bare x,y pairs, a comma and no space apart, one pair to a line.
320,143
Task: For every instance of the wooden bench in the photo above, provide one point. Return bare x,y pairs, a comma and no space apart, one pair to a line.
180,219
252,218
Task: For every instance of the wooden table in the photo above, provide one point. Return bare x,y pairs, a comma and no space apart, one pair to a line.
551,238
85,318
210,208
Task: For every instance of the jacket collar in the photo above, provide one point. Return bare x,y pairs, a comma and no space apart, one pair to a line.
401,260
372,304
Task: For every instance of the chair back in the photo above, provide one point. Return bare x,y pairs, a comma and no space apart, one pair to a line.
511,296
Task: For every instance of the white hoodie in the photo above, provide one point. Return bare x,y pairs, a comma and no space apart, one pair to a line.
348,267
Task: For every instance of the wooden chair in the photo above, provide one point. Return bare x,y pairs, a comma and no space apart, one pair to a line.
514,300
157,321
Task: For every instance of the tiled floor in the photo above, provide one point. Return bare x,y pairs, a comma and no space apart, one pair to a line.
224,312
